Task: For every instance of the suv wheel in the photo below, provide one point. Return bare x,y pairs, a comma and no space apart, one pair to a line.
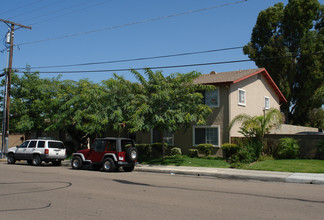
131,154
37,160
108,165
129,169
76,163
11,159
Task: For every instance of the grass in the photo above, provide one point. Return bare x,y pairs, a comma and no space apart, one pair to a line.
291,165
295,165
187,161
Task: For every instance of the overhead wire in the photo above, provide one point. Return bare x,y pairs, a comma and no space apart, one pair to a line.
132,23
136,59
179,66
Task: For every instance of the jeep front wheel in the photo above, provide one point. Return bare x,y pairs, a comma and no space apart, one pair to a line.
76,163
108,165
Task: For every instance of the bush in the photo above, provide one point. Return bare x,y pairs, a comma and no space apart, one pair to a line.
158,147
229,150
175,151
193,153
206,149
288,149
320,150
144,150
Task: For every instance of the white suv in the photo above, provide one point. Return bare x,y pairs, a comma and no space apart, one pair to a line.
37,150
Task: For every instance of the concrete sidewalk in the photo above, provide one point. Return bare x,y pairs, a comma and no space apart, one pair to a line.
228,173
307,178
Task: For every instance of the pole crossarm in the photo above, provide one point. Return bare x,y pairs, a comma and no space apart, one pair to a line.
14,23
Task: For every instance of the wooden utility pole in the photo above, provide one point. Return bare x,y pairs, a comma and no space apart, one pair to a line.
5,133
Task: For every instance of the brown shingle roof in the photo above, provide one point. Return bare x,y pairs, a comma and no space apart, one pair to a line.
237,76
224,77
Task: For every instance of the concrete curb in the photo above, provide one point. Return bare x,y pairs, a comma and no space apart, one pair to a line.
228,173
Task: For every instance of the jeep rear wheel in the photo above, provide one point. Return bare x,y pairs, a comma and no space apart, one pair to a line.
129,169
36,160
76,163
11,159
108,165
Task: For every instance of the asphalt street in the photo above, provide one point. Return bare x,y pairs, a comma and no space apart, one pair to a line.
49,192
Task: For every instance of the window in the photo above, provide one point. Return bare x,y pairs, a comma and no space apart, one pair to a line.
125,144
24,145
209,135
59,145
41,144
241,97
266,102
168,137
32,144
212,98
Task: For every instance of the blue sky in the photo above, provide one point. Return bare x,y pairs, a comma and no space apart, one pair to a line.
220,27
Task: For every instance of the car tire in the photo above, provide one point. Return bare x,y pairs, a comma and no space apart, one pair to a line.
76,163
30,162
57,163
131,154
11,158
108,165
36,160
129,169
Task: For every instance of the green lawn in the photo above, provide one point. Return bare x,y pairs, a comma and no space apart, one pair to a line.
187,161
297,165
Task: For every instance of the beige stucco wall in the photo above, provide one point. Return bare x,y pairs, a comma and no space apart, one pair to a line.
257,88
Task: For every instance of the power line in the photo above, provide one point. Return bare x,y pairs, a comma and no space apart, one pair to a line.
179,66
132,23
135,59
28,4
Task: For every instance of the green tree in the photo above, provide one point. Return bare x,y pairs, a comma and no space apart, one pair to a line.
31,104
291,30
255,127
168,103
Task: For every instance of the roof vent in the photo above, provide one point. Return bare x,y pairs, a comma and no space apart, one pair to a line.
213,73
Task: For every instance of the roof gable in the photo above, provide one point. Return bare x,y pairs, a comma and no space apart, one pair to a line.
233,77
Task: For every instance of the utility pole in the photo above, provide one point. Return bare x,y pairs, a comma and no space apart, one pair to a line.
5,132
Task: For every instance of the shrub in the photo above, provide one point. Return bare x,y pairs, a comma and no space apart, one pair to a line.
158,147
193,153
320,150
288,149
230,149
175,151
206,149
144,150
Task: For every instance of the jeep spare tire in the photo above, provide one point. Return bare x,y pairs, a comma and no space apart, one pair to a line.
131,154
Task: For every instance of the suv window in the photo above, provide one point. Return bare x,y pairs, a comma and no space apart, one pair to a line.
101,145
32,144
111,145
125,144
58,145
41,144
24,145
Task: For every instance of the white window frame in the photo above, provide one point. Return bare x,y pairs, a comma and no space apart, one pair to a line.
172,144
215,90
210,126
239,102
266,100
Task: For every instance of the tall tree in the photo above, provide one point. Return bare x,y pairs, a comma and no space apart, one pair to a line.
291,31
168,103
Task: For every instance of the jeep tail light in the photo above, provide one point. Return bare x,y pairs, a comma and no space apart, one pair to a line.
46,151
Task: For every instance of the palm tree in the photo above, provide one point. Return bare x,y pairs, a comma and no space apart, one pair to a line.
257,126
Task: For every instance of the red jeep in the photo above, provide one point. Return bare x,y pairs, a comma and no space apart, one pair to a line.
108,154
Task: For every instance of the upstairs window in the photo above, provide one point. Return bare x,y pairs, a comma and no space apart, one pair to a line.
242,97
266,102
212,98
